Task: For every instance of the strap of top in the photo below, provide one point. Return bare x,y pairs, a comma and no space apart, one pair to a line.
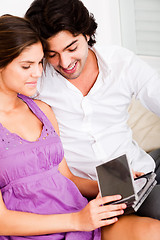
36,110
9,142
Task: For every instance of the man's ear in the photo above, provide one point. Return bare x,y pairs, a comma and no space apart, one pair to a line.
87,38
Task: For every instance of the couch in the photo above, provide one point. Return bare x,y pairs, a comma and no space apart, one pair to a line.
145,126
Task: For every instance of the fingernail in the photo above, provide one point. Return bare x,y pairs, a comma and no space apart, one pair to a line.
119,196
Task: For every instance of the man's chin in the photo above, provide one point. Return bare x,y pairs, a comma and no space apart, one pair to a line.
68,76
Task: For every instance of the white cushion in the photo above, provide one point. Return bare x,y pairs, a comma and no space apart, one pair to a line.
145,126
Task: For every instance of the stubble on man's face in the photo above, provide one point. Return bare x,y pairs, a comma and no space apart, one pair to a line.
68,54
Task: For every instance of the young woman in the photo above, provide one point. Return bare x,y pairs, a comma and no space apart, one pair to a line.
39,198
34,177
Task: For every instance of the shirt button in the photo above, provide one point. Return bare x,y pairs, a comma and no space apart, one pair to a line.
86,106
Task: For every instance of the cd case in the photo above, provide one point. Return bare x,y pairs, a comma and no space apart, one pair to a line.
115,177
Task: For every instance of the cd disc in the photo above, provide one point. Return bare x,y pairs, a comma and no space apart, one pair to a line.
139,184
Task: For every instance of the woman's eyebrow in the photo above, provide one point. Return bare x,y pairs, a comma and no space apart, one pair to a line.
26,61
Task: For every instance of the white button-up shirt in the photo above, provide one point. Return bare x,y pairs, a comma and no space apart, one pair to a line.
94,128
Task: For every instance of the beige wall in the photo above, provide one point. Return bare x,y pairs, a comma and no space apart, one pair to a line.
106,13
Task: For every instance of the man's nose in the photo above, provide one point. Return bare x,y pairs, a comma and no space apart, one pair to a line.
64,61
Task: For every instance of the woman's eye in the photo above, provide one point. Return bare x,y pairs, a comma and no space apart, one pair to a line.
41,62
25,67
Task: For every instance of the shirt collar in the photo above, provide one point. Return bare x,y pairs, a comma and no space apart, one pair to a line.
104,68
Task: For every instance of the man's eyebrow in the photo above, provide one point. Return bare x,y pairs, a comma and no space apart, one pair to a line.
70,44
64,48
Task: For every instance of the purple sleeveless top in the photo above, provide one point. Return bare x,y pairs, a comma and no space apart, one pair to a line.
30,180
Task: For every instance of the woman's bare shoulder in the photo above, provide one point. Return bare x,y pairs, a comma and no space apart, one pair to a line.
48,112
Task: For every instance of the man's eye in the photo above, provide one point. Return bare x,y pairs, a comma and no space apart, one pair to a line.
72,50
52,56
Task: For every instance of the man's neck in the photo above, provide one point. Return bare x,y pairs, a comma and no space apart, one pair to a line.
89,74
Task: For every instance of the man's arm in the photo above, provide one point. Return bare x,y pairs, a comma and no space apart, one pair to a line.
88,188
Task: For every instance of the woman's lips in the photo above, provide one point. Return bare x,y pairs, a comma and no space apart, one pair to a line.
32,84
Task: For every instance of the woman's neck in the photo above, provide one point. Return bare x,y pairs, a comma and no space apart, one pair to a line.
8,102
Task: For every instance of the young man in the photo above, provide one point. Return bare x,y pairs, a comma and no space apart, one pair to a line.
90,89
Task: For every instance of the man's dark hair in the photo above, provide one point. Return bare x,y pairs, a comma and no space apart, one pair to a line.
52,16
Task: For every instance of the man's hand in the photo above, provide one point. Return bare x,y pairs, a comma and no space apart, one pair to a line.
137,174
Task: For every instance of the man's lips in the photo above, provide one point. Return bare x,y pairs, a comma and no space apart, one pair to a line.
71,69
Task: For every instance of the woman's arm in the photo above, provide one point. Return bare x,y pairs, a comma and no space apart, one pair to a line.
94,215
49,113
25,224
88,188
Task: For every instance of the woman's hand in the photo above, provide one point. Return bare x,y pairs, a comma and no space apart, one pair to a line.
96,214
